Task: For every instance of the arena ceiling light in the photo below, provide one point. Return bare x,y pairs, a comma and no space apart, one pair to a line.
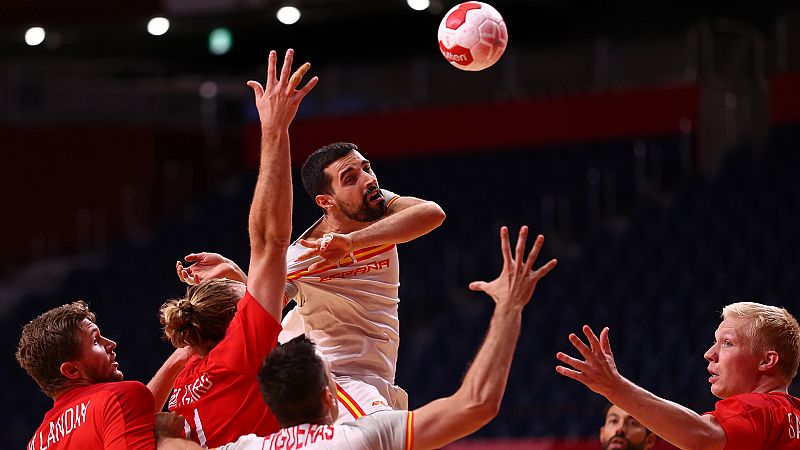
158,26
34,36
419,5
288,15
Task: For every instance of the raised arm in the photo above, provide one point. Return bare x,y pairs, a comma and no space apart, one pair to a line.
270,223
407,218
674,423
478,399
161,383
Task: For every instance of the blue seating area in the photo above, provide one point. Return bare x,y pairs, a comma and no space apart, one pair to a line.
645,247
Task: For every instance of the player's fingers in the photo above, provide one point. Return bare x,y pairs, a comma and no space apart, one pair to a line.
298,75
575,363
309,243
580,346
478,286
541,272
505,246
287,66
534,253
592,338
519,251
308,254
307,88
191,257
605,343
271,72
258,91
569,373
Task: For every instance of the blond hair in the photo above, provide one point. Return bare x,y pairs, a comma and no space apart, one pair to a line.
770,328
201,318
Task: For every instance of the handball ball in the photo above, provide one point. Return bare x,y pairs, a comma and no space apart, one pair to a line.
472,36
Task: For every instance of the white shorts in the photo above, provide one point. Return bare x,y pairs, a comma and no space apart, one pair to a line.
363,396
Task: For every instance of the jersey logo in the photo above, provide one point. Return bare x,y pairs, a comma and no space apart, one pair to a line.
365,269
190,393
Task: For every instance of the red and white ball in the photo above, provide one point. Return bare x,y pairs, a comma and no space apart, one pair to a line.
472,36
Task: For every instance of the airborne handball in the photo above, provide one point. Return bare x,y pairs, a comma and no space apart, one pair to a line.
472,36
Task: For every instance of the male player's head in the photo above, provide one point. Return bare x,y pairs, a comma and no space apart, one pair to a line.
297,384
341,181
621,431
755,347
63,348
201,318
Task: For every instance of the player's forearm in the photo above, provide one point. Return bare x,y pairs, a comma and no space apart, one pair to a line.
176,444
485,381
402,226
161,383
674,423
271,210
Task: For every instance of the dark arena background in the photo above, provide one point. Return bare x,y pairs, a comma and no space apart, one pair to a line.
655,144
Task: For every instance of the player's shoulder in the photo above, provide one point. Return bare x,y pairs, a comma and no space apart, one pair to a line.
750,402
129,388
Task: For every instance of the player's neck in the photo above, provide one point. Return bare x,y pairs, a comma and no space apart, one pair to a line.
338,223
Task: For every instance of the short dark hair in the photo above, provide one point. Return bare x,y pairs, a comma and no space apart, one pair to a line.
292,379
50,340
315,181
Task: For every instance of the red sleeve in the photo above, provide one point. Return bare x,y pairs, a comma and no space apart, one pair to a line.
252,334
745,421
128,419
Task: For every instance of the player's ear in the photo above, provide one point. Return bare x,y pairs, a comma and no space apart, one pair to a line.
650,440
769,360
71,370
324,201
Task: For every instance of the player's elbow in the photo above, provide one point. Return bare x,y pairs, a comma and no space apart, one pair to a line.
482,409
434,213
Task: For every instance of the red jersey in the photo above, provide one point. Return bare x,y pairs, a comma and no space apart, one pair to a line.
219,395
117,415
760,421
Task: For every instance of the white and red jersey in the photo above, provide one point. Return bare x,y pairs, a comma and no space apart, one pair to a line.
350,310
112,416
388,430
219,395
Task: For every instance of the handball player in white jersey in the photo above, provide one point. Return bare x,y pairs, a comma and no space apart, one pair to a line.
344,274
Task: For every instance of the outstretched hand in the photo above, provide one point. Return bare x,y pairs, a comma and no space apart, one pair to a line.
332,247
278,102
597,371
208,266
515,284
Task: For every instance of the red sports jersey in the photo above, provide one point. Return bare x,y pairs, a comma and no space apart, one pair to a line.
760,421
219,394
112,416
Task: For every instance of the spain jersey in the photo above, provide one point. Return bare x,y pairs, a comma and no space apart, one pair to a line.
350,310
219,395
112,416
387,430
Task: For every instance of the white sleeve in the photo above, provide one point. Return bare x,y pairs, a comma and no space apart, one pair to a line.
247,442
387,429
388,195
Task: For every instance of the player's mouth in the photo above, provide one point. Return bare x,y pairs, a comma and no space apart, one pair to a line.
618,442
714,377
375,196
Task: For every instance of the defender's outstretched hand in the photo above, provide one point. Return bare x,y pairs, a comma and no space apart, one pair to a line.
517,281
597,371
277,103
208,266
